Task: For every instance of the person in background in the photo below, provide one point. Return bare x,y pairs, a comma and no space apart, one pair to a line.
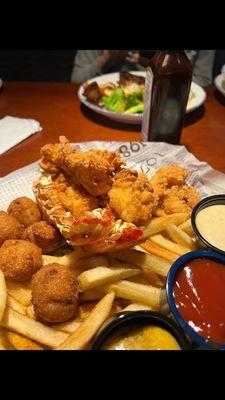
219,63
91,63
202,62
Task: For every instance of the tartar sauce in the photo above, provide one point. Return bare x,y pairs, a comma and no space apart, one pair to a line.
211,224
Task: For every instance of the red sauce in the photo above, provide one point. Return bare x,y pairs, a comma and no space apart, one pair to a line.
199,293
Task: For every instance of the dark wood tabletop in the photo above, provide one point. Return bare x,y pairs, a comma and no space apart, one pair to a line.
57,108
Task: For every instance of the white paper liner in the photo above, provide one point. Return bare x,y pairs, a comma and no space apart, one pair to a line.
145,156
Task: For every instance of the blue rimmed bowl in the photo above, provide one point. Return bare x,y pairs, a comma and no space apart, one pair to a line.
171,277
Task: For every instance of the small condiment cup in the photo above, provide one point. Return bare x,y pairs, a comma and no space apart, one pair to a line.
207,202
130,318
171,277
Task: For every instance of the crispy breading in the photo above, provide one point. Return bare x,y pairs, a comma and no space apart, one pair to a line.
166,177
132,197
54,293
73,198
53,155
93,169
19,259
44,235
10,227
25,210
180,199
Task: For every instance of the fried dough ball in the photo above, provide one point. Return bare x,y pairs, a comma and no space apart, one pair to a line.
10,228
44,236
54,293
19,259
25,210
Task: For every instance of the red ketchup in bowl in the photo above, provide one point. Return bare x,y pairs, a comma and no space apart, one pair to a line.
199,294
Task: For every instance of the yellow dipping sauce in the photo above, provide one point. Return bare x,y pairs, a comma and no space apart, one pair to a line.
211,224
146,337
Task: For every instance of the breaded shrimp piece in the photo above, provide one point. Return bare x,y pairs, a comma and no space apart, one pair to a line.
166,177
179,199
132,197
53,155
93,169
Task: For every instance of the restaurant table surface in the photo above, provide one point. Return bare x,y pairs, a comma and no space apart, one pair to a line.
56,106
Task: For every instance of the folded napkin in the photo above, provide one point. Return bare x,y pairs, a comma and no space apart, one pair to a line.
15,130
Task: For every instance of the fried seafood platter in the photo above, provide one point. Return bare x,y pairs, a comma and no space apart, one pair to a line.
100,239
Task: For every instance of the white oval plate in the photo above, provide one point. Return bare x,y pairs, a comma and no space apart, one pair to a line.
1,83
198,98
220,83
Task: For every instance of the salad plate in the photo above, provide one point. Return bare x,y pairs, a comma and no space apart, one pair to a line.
220,83
196,98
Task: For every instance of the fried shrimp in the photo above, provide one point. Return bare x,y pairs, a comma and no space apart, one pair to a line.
92,169
53,155
180,199
132,197
166,177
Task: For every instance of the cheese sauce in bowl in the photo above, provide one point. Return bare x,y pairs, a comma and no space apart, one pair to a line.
146,337
141,330
208,221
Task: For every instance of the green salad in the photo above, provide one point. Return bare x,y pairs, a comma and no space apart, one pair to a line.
118,102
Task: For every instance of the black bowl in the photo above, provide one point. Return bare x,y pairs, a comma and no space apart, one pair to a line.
207,202
141,317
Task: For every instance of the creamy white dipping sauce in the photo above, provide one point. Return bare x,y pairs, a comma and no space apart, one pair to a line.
211,224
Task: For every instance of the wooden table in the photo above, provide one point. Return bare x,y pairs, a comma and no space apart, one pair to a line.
57,108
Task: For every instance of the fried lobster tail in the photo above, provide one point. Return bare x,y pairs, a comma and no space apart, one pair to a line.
97,230
92,169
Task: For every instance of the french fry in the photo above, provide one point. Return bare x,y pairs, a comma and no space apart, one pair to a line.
146,278
4,341
187,227
47,259
89,327
68,260
3,294
15,305
104,275
138,279
145,261
19,291
159,212
135,292
137,307
22,343
30,312
32,329
159,251
91,295
180,237
84,309
68,327
151,278
157,225
92,262
169,245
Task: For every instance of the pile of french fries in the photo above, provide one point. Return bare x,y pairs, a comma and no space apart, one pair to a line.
109,283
